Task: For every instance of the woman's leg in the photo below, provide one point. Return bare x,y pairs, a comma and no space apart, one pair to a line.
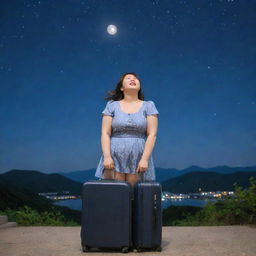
119,176
132,178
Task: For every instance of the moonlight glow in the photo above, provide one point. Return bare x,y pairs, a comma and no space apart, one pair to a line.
112,29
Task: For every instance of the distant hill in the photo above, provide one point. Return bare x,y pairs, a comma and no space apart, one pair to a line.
40,182
15,197
166,174
162,174
189,182
80,176
207,181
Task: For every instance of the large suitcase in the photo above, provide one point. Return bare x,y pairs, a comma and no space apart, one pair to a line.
147,215
106,215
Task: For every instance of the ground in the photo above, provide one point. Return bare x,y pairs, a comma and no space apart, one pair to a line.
177,241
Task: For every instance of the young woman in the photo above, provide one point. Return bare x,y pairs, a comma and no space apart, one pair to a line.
128,136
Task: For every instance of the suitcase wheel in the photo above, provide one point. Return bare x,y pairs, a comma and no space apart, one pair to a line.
138,249
159,249
86,248
125,249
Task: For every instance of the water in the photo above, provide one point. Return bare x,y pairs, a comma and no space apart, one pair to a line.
76,204
186,202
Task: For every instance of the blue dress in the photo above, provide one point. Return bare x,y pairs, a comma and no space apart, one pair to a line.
128,137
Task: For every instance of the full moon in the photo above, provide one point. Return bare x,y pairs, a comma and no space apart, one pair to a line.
112,29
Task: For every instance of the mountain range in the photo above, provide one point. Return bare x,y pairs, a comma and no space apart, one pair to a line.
162,174
188,180
21,187
194,182
39,182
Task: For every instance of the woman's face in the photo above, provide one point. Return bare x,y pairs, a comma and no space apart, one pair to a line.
131,82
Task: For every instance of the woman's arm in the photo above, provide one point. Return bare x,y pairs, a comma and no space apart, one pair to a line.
105,135
151,136
105,141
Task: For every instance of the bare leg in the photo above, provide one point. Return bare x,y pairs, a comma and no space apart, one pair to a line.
119,176
132,178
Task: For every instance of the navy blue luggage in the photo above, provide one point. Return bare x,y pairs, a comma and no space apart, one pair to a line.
147,216
106,215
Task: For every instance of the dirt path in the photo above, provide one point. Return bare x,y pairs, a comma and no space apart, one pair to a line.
177,241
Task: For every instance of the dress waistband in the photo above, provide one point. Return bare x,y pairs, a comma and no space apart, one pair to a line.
129,136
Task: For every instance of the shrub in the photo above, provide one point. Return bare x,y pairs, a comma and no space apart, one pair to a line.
237,210
27,216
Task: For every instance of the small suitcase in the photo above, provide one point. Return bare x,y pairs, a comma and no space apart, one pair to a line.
147,215
106,215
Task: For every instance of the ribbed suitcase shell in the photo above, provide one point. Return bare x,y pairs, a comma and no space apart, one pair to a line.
106,215
147,216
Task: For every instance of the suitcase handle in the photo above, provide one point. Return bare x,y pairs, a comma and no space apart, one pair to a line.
113,174
141,176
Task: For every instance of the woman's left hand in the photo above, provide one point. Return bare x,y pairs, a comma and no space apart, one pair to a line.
142,166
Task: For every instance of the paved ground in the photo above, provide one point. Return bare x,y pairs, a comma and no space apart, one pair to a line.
177,241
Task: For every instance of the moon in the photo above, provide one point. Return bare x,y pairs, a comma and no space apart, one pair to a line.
112,29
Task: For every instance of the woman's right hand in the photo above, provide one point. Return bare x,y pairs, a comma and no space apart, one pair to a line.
108,163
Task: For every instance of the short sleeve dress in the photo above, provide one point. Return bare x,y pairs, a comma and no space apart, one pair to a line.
128,137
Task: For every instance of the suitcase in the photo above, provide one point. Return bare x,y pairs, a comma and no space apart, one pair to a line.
147,215
106,215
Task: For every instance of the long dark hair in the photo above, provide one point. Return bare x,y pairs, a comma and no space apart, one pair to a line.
117,94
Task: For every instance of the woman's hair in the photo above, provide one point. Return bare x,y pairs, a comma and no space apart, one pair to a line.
117,94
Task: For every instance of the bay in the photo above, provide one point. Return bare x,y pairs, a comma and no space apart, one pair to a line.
186,202
76,204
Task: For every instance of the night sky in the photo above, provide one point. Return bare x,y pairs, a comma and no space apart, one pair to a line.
196,61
